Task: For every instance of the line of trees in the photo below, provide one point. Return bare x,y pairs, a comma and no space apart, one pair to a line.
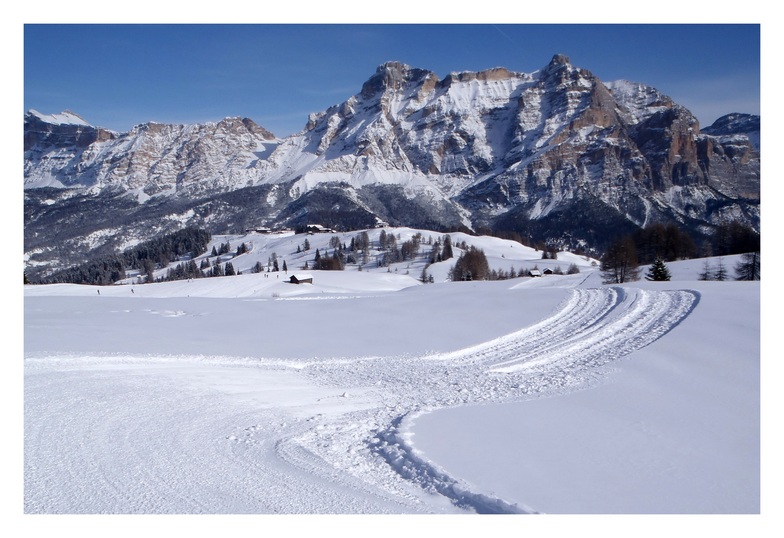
747,268
659,243
144,257
334,262
471,265
396,253
663,241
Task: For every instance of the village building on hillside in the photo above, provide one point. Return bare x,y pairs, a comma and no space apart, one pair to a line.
301,278
318,229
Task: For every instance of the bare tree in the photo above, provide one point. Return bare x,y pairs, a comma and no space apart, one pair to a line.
619,263
748,268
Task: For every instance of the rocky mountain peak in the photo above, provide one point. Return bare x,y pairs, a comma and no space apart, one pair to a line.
494,149
60,130
392,76
734,123
239,125
559,59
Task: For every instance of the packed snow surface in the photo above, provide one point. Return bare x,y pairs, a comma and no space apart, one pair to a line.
370,392
64,118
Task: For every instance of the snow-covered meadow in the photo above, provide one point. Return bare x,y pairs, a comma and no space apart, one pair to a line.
370,392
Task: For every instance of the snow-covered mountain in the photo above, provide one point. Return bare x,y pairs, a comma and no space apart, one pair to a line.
555,154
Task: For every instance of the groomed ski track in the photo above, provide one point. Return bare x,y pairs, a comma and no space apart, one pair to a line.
353,458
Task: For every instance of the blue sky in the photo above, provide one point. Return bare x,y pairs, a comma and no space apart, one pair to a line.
116,76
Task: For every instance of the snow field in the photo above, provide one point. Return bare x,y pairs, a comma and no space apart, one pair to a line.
248,395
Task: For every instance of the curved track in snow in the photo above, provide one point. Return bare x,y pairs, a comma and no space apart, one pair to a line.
351,459
592,328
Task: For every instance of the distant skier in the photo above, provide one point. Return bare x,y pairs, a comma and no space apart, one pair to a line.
99,291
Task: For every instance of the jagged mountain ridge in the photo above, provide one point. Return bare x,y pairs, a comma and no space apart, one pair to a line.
493,149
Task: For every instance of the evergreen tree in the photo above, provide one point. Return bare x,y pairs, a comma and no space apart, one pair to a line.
658,271
446,251
706,273
148,267
229,271
720,273
192,270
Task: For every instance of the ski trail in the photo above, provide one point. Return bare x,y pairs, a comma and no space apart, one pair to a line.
592,328
354,456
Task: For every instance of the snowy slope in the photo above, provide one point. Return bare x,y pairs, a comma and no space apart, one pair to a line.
373,393
671,428
64,118
502,255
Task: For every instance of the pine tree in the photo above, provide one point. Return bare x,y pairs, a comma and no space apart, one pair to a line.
658,271
706,273
446,252
720,273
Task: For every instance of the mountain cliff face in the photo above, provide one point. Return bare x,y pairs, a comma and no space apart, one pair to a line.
555,154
